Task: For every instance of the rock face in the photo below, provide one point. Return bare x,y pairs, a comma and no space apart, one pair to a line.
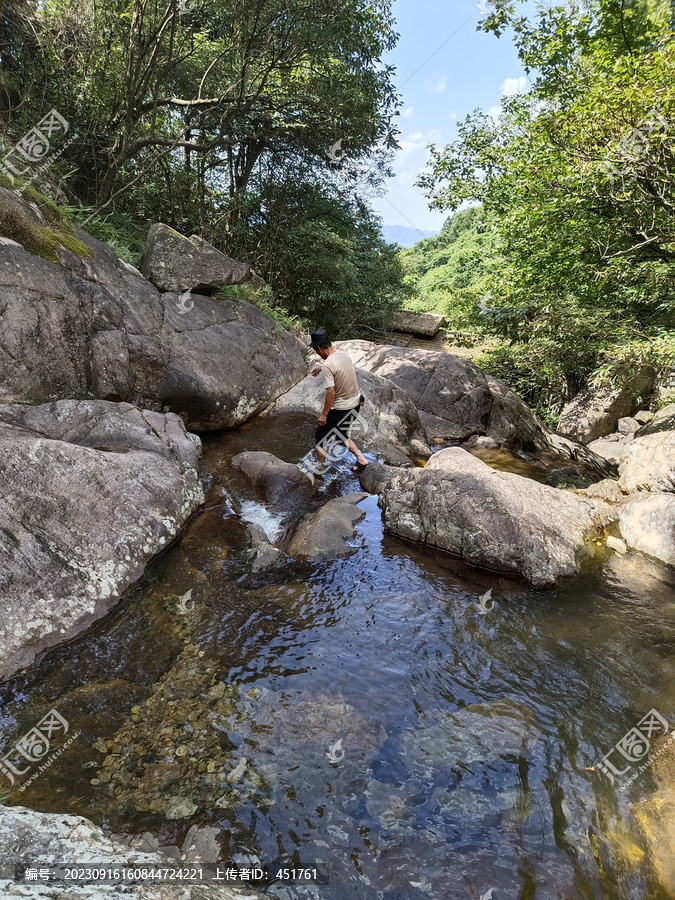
173,262
648,463
424,324
607,490
224,361
455,399
492,519
664,420
647,524
612,451
594,412
105,332
325,533
394,428
28,837
90,492
580,453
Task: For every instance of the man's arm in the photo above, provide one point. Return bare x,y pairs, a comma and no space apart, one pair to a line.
328,403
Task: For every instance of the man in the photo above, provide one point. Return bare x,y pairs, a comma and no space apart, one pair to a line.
343,399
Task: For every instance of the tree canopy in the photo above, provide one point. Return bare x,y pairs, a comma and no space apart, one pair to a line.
204,114
577,175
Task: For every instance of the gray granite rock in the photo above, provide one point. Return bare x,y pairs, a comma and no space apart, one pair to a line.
90,492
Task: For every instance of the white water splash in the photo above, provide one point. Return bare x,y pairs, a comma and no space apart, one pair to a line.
256,513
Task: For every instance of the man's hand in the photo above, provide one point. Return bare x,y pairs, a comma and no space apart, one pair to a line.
316,370
322,419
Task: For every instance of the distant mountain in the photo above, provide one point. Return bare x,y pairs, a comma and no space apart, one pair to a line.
403,235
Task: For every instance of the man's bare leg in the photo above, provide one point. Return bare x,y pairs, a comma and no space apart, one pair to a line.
351,446
360,458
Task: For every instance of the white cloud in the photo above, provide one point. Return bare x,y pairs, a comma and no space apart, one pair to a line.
436,87
514,86
408,111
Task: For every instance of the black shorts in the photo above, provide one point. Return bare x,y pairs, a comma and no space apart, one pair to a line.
338,424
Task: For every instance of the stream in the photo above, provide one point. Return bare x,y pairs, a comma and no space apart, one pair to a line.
464,740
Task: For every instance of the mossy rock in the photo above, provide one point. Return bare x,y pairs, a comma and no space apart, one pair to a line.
41,240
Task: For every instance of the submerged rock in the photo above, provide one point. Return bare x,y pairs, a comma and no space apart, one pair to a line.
326,532
477,735
90,492
656,817
492,519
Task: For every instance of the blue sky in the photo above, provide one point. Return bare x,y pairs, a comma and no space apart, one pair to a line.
472,70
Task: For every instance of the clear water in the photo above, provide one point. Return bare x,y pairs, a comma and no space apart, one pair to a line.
469,740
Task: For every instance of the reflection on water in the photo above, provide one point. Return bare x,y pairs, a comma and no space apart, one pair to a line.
468,739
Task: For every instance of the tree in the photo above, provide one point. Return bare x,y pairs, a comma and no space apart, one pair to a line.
212,85
579,176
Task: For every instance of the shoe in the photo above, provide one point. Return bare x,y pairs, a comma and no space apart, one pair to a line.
359,467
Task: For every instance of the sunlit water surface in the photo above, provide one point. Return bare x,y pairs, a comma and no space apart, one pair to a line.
469,741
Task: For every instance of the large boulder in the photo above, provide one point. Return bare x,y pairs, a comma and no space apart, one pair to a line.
105,332
595,411
422,323
648,463
580,453
454,398
664,420
647,524
393,423
272,478
224,362
90,492
492,519
173,262
31,838
326,532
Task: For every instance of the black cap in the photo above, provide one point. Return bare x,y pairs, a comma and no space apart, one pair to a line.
319,338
